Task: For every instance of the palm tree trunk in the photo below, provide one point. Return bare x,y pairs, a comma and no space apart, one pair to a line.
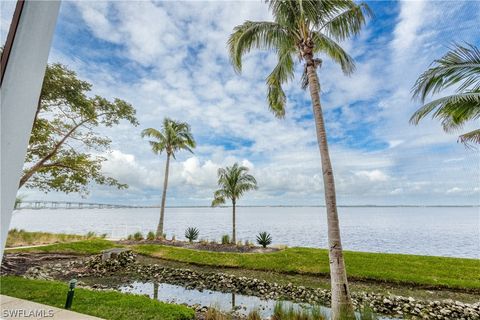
164,196
234,236
341,301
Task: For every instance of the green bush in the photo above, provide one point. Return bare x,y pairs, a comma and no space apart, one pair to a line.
264,239
90,234
225,239
137,236
151,235
191,234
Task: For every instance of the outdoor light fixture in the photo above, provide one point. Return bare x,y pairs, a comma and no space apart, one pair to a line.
71,292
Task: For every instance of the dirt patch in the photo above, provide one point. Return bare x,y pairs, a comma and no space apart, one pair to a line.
18,263
210,246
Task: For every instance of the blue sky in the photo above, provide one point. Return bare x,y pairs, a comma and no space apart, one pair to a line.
170,59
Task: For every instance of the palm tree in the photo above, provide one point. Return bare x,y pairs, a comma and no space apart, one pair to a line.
233,181
459,67
174,136
304,28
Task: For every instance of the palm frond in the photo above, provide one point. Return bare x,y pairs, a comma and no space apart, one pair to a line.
261,35
461,65
334,51
152,133
218,201
173,136
348,22
282,73
453,110
471,138
233,181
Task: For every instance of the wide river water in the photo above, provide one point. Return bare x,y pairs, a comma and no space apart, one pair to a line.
436,231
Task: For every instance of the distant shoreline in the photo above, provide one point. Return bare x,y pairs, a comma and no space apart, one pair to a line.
286,206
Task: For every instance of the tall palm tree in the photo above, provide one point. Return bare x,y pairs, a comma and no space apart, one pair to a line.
459,67
173,136
304,28
233,181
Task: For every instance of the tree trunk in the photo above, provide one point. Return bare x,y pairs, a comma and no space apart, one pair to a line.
234,236
40,164
164,196
341,301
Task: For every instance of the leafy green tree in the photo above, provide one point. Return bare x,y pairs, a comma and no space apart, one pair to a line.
233,181
302,29
460,67
60,155
174,136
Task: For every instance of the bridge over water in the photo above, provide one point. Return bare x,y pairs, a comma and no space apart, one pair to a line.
43,204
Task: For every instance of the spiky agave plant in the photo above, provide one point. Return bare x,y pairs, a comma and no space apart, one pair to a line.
264,239
191,234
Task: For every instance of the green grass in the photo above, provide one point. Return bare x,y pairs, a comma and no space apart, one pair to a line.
18,238
103,304
93,246
396,268
402,269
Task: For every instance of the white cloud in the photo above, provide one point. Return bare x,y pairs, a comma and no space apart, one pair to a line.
180,55
454,190
397,191
374,175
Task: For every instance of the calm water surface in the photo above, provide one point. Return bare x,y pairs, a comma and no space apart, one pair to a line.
438,231
223,301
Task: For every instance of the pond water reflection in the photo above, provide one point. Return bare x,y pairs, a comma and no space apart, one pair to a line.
226,302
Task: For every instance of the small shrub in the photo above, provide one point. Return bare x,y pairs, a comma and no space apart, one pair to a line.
225,239
213,241
164,236
254,315
264,239
215,314
90,234
103,235
239,243
137,236
191,234
173,238
151,235
130,237
204,241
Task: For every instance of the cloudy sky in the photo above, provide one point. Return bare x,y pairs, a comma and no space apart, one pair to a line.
170,59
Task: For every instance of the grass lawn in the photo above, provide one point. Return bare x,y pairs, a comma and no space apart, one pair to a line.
456,273
397,268
92,246
103,304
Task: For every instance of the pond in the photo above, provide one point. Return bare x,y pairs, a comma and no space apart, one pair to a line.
227,302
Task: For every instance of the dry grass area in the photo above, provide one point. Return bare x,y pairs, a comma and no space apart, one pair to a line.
20,238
